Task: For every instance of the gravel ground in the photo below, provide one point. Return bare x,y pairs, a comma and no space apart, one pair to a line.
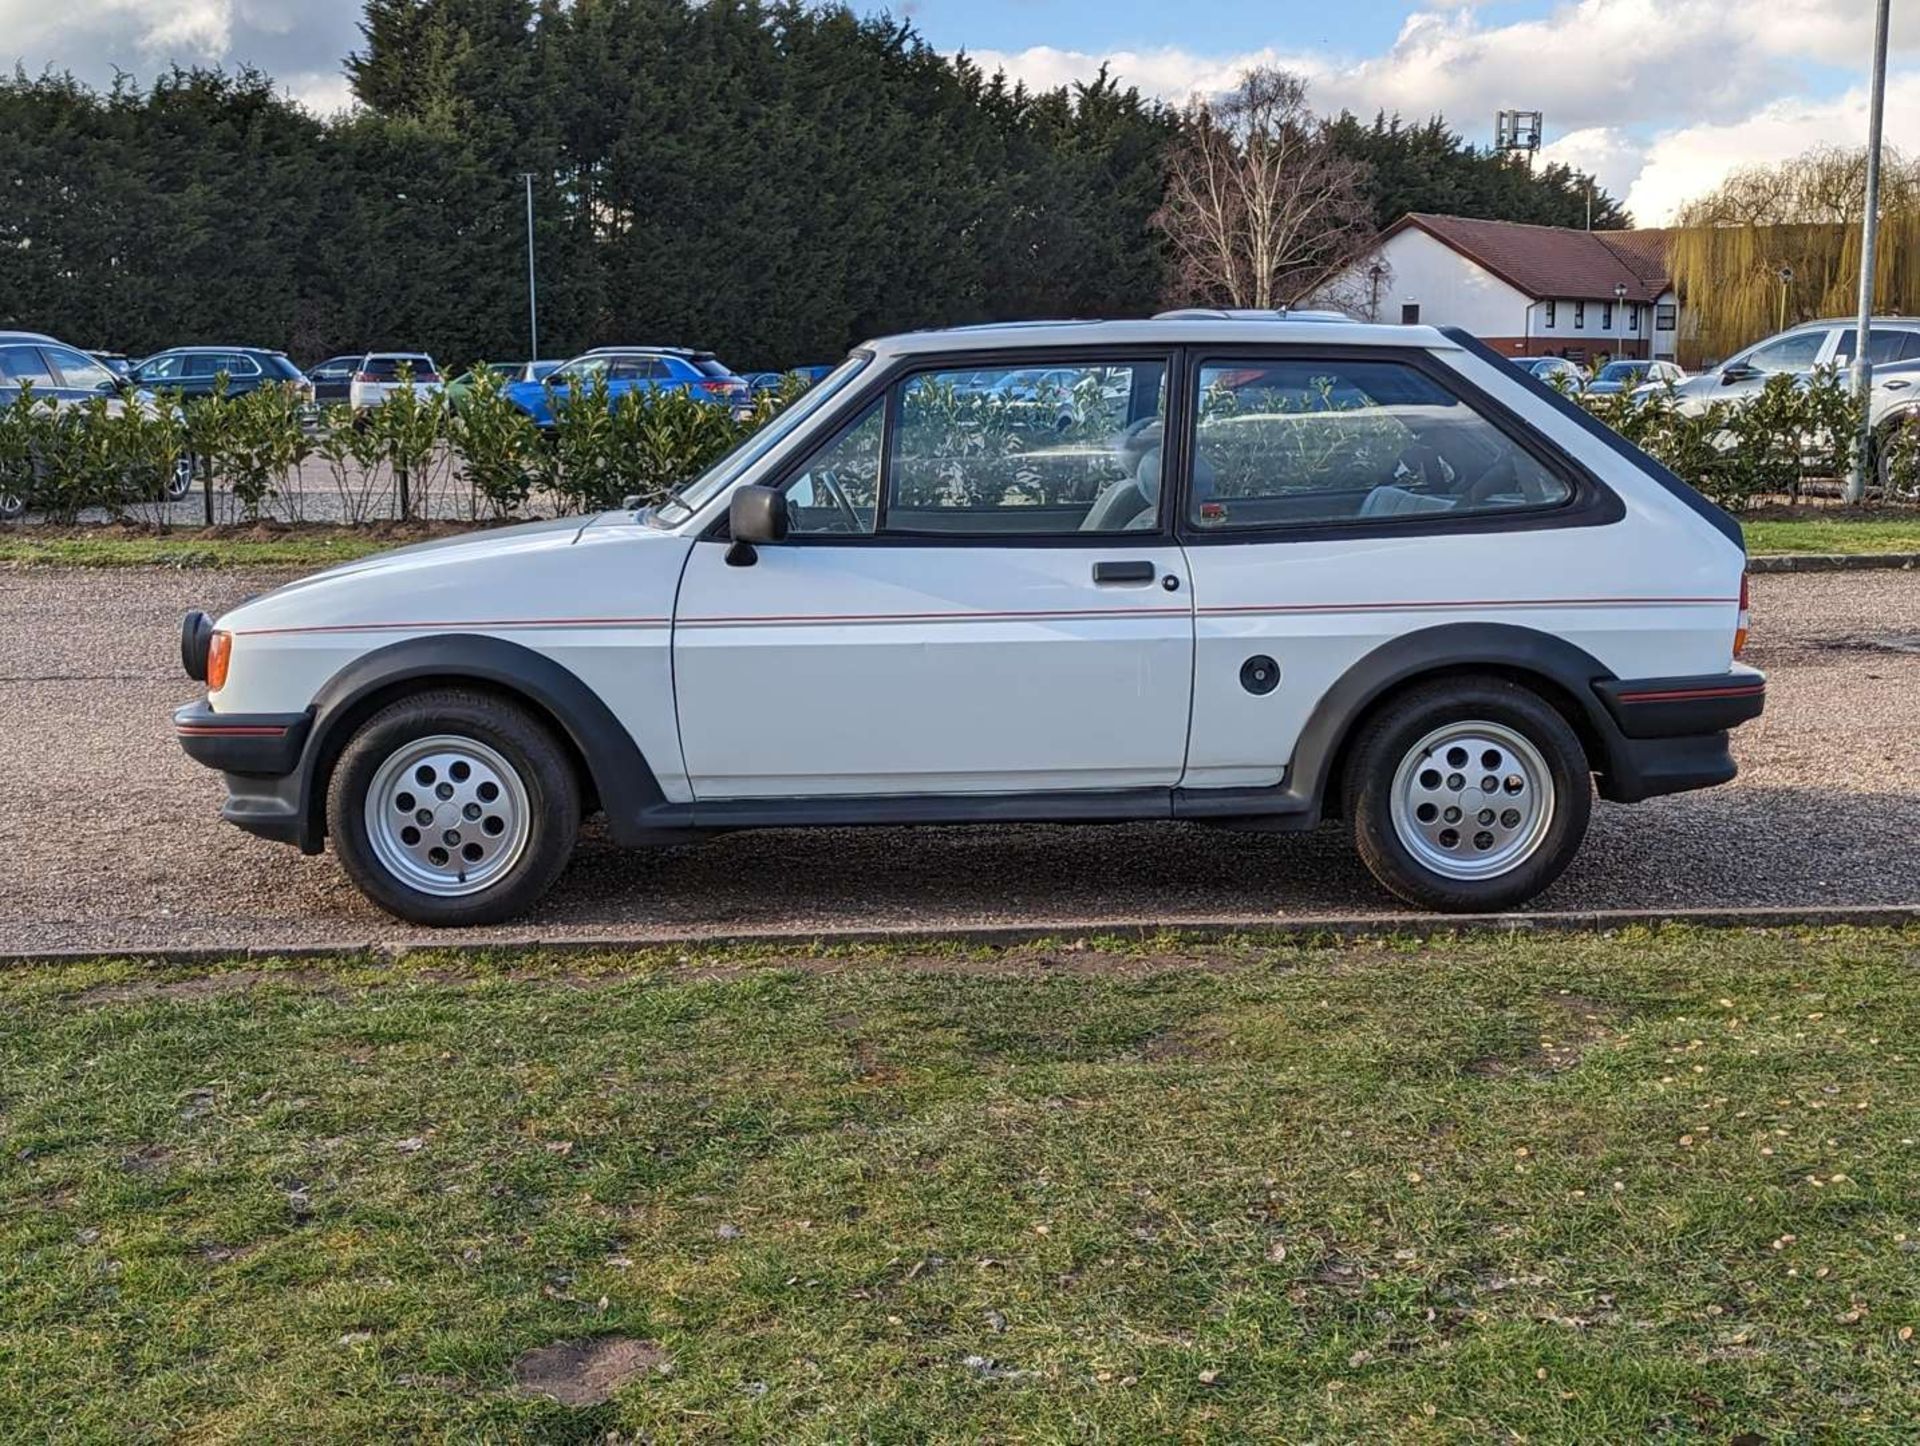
113,838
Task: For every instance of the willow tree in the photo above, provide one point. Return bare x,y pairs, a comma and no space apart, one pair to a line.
1779,244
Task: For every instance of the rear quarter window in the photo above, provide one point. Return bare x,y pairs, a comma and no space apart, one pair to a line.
1300,442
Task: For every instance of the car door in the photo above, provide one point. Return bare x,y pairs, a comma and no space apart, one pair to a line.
967,603
24,366
81,378
1336,504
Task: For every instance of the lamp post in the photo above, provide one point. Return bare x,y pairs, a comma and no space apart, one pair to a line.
1786,280
533,283
1376,273
1869,229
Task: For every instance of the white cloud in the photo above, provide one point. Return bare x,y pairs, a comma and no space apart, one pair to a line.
1657,98
300,42
1681,164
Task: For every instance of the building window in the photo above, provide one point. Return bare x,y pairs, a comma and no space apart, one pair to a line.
1579,315
1552,308
1633,317
1663,317
1410,314
1606,316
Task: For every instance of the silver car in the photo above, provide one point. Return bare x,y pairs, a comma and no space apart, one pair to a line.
67,377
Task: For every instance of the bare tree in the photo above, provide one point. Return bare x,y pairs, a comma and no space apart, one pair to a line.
1260,209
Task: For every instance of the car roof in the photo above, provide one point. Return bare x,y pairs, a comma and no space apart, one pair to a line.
680,351
27,336
1168,329
196,350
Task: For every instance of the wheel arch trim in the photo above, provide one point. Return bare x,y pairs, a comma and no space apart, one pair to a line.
620,776
1320,755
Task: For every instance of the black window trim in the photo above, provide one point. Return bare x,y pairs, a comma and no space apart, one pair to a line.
888,383
1590,502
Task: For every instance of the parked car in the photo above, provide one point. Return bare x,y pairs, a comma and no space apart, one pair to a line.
117,362
1800,351
1439,613
627,369
533,371
1627,376
380,374
67,377
333,379
192,371
759,383
1554,370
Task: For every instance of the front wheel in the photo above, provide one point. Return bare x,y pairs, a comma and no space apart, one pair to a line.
453,808
1468,795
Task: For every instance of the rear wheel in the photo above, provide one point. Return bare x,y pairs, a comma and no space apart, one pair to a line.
1468,794
454,808
1896,457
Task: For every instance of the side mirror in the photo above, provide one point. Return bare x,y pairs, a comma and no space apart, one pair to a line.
755,517
1738,372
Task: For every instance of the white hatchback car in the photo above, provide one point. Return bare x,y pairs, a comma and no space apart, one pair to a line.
1290,570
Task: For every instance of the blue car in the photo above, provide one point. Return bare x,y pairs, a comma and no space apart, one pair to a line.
626,369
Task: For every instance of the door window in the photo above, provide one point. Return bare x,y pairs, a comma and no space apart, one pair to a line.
1028,451
23,365
1884,344
203,365
838,491
1796,353
1286,443
80,372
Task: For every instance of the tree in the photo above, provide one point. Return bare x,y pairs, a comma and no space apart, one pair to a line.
1778,244
1260,209
1429,167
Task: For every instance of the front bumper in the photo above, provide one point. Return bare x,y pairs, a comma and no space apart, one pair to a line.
1670,734
259,754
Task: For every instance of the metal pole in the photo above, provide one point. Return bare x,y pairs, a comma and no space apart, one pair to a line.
533,284
1869,228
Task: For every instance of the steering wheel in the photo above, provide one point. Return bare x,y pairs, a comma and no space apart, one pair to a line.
828,482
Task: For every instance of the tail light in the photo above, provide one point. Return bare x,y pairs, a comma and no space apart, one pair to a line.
1740,623
365,377
428,377
719,387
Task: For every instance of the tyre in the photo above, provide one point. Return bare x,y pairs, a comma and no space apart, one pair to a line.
1888,459
453,808
12,505
180,480
1468,794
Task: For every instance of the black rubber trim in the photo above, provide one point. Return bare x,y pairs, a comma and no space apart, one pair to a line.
1723,521
1677,707
263,744
196,640
1103,806
1646,768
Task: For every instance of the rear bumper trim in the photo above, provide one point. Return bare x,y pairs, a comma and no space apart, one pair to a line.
1684,707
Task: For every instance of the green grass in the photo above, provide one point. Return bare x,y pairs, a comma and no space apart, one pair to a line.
23,549
1774,536
1552,1189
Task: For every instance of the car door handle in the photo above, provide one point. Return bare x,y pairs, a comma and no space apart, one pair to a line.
1136,570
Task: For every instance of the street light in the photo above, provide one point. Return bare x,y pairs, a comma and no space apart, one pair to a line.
1786,280
1869,228
533,283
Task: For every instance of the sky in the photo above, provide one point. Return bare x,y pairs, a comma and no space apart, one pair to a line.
1659,98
